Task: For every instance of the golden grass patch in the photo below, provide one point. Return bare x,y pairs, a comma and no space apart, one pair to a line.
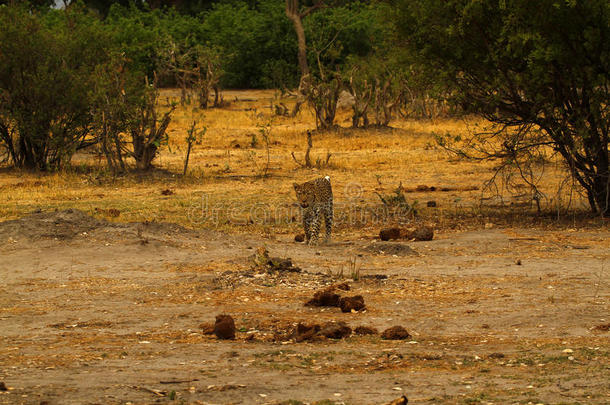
226,169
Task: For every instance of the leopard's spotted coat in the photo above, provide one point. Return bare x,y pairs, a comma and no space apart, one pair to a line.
316,199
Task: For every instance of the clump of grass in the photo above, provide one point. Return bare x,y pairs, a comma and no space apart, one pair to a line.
397,200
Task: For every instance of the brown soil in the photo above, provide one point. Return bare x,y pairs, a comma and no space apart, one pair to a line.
390,248
98,312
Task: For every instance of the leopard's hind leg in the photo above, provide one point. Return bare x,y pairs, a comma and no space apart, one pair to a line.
328,220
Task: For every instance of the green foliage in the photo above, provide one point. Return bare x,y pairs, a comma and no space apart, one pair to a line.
336,34
139,34
46,66
258,43
540,70
33,4
68,81
255,38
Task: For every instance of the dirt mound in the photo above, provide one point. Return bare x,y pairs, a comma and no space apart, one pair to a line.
419,233
69,223
395,333
64,225
390,248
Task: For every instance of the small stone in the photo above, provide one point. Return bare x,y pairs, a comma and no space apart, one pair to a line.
431,203
299,238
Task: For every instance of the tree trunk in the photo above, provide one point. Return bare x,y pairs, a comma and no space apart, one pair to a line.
600,193
147,154
119,152
6,137
292,12
216,95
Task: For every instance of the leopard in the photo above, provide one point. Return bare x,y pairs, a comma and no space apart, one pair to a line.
316,200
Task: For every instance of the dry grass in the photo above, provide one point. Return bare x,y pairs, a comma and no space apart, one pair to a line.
226,170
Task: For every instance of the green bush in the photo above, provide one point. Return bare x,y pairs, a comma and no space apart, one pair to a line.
46,72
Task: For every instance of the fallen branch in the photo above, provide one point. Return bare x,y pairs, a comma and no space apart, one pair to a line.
178,381
307,163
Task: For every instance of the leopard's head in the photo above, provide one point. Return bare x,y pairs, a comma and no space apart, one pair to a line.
303,195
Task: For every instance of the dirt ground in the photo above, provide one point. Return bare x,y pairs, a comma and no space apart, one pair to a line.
93,312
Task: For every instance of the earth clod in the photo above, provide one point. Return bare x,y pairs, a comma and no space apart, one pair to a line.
335,330
324,298
390,233
224,327
349,304
395,333
365,330
305,332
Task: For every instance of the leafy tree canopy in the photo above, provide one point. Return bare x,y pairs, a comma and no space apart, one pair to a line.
539,69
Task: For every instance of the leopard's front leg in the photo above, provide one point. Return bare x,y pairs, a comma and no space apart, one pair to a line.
307,216
314,227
